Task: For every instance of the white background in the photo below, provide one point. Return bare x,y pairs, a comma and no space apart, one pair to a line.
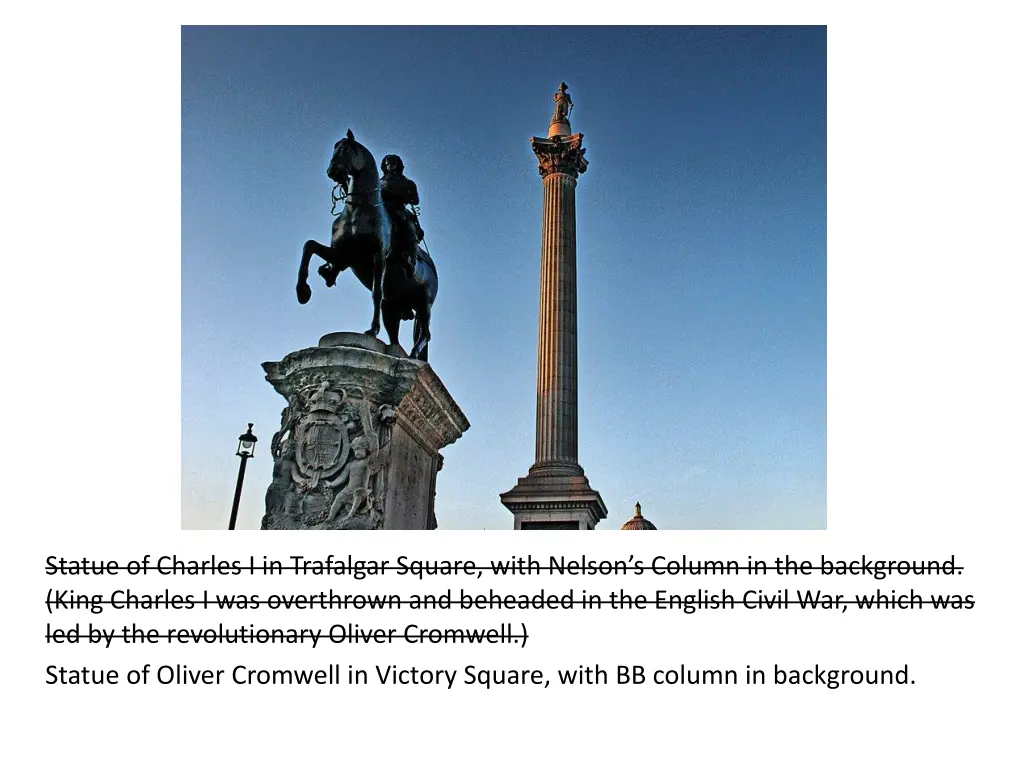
924,425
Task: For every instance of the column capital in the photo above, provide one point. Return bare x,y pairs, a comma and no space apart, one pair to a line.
560,155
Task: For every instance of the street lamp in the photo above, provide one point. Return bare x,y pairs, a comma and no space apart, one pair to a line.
246,448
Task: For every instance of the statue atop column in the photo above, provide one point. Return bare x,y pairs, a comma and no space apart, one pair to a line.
563,104
563,108
562,151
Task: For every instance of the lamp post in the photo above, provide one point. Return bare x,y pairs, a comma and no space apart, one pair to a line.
246,448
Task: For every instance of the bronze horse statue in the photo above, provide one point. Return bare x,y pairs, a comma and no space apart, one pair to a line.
364,239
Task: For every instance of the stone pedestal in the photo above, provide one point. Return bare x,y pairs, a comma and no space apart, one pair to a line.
543,502
360,437
559,127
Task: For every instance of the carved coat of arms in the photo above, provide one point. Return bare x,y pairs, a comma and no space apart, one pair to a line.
332,451
322,439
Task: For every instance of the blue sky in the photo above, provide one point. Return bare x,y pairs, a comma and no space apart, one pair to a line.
701,252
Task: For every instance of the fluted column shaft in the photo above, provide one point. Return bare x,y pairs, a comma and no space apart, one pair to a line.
557,380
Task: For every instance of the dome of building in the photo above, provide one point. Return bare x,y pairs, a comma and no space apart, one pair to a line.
639,522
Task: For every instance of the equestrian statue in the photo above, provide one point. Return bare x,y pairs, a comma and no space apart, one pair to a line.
377,235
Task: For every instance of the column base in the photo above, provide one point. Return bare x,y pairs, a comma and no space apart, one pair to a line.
556,469
553,502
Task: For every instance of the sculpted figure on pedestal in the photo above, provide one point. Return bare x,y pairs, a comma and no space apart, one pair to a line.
287,490
289,416
359,480
356,480
363,238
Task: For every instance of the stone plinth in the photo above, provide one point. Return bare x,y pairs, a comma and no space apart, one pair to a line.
554,502
360,439
559,128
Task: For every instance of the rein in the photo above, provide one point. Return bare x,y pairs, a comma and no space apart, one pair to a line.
416,211
340,195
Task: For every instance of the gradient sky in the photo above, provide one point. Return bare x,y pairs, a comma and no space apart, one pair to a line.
701,252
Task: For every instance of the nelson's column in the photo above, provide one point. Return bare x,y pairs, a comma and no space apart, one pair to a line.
555,494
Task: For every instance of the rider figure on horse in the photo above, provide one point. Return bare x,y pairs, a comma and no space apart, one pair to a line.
400,197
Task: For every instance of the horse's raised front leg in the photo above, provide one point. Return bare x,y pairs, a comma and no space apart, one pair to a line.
310,249
378,294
